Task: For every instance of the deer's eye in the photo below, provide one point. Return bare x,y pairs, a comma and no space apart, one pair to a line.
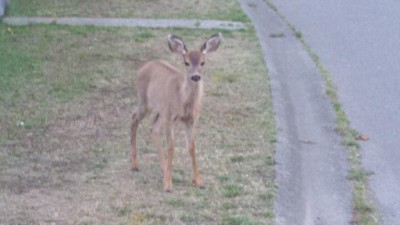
202,63
187,64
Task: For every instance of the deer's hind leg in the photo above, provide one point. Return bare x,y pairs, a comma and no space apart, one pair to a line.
138,115
156,136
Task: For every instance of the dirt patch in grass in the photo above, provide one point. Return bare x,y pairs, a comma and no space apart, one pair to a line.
64,134
199,9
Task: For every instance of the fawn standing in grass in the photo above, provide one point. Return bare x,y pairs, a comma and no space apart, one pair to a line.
172,95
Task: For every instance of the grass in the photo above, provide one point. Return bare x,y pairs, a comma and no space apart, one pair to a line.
240,221
232,190
176,202
204,9
363,211
73,89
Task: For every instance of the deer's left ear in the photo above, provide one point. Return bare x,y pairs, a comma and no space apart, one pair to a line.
211,44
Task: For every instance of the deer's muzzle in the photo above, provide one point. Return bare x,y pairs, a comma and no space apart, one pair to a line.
195,78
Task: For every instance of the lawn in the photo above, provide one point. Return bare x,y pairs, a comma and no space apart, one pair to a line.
204,9
66,99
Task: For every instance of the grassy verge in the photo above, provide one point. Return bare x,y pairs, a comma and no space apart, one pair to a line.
363,211
66,98
204,9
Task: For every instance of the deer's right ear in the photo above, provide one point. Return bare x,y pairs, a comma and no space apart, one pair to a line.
176,44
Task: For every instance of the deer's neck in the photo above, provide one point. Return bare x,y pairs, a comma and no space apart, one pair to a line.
193,93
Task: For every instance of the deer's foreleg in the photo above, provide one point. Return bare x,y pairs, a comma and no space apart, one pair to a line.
170,155
190,141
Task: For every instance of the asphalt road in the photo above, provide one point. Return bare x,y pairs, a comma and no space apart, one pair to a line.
311,164
359,43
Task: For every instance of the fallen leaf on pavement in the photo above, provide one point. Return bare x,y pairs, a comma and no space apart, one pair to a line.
362,137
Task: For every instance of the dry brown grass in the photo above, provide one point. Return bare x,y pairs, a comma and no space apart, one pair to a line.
73,167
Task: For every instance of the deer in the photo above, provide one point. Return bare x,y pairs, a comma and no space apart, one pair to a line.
171,95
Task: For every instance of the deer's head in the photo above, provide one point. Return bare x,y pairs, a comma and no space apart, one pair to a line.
194,60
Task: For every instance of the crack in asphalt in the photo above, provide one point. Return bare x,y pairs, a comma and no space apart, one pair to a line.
312,184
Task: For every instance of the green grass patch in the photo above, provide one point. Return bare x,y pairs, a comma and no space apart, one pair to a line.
298,34
267,196
240,221
224,178
236,159
232,190
358,175
269,214
220,76
270,161
124,211
144,35
188,218
176,202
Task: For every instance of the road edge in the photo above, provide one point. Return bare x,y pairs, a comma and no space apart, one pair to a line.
311,163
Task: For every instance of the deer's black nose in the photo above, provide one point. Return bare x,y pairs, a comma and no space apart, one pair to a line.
195,78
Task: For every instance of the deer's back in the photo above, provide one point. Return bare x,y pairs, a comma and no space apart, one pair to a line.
159,86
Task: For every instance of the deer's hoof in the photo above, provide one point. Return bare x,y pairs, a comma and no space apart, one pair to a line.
168,189
168,186
199,183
